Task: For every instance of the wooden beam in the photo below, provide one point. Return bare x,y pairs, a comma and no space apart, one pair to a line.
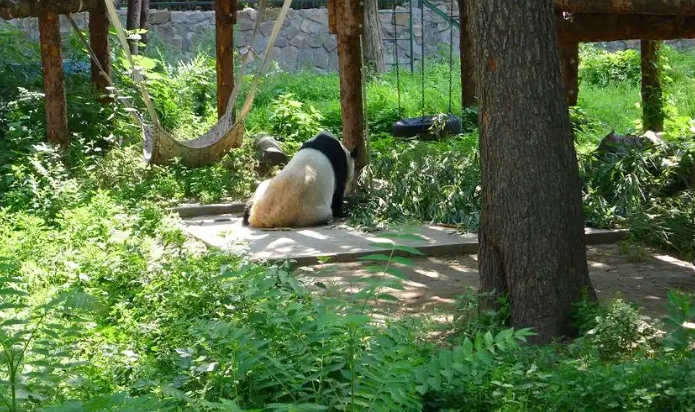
16,9
225,17
672,7
652,97
580,28
349,16
467,61
99,42
569,56
53,78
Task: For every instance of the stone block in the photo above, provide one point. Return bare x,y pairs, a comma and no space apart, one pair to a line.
330,43
315,15
298,41
179,17
316,40
311,27
267,28
288,58
292,30
321,58
159,17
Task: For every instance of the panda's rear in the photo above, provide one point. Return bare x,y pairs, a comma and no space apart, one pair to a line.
306,190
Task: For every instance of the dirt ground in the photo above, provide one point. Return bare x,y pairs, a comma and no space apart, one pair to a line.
643,278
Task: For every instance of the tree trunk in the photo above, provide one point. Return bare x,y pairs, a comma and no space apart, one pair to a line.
133,21
99,42
144,18
466,52
373,50
532,246
225,13
348,19
53,78
652,99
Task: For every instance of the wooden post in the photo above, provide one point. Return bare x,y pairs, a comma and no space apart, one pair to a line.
99,42
349,15
569,55
133,21
672,7
225,17
144,18
652,99
53,78
466,53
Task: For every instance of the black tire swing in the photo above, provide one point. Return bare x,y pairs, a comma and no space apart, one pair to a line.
422,126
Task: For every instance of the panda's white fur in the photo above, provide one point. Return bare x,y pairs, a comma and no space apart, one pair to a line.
308,191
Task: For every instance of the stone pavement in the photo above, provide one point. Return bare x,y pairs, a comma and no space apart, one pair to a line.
339,243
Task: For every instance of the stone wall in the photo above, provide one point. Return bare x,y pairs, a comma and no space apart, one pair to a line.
304,41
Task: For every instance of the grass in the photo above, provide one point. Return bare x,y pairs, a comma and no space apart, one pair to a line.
106,305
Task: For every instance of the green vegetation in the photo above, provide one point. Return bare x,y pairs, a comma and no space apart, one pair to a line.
106,306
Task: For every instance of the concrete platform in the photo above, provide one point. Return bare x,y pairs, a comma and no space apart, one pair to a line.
337,242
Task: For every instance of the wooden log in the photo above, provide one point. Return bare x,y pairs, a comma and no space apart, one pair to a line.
225,16
15,9
580,28
269,152
467,61
652,96
349,17
133,21
53,78
672,7
569,55
99,42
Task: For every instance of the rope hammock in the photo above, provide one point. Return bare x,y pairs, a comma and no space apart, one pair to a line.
159,146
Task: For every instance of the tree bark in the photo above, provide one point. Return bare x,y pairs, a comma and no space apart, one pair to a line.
466,51
569,53
674,7
348,19
225,16
580,28
532,246
53,78
144,18
133,21
371,39
99,42
652,98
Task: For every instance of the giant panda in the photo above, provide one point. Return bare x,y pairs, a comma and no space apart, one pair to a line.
308,191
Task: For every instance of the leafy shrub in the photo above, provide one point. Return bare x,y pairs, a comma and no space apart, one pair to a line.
600,67
292,120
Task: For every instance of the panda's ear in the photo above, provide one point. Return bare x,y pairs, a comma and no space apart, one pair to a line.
354,153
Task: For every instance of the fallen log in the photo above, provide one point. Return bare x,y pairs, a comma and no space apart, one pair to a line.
268,152
585,27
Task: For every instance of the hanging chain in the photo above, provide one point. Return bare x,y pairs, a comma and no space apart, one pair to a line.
451,48
422,53
395,55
